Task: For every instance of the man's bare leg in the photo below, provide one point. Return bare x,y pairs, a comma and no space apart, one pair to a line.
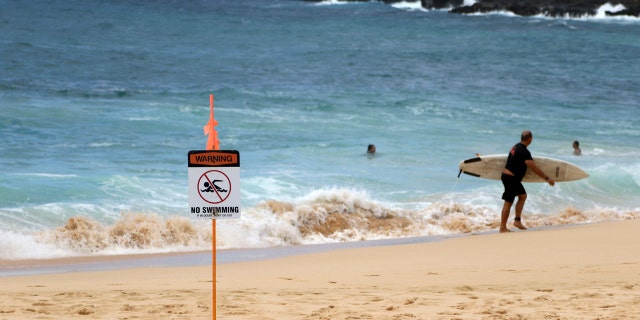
519,207
504,217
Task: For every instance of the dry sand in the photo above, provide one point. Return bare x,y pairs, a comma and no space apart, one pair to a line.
581,272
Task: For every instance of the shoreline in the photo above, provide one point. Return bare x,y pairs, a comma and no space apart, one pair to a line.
27,267
571,272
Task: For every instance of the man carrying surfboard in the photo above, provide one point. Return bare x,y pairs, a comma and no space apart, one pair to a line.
518,161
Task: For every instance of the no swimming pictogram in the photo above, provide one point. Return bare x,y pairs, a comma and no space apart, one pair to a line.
214,186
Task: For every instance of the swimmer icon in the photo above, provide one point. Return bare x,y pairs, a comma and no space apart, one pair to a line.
214,186
208,187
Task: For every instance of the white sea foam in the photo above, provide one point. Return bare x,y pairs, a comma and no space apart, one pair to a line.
323,216
15,246
602,10
409,5
49,175
331,2
335,215
101,144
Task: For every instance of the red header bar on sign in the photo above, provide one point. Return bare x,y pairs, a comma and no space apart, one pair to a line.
214,158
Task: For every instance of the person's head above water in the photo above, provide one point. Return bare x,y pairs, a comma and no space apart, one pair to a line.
576,148
371,148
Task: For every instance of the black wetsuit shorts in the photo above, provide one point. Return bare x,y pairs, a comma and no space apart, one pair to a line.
512,188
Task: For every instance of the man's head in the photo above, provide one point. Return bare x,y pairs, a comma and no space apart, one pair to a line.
526,137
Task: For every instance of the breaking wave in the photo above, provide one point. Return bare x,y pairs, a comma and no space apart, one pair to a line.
325,216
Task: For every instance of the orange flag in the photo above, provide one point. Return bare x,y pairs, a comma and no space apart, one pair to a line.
209,129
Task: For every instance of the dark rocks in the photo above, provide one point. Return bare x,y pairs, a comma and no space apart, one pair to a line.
550,8
442,4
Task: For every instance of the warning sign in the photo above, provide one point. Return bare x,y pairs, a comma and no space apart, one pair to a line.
214,184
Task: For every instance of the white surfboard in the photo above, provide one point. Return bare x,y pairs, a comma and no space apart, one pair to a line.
490,167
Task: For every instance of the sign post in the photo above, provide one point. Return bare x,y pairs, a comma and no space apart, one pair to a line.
214,187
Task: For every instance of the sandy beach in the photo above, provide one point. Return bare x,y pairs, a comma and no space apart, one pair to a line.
578,272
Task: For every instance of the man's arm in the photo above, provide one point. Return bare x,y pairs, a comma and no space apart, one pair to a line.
532,165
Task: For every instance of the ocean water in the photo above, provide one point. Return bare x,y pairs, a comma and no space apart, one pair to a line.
102,100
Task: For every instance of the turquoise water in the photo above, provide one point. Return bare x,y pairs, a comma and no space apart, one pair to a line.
102,100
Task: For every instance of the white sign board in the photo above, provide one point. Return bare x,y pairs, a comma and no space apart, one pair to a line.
214,184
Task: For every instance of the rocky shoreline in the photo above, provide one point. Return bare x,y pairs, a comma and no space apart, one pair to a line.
550,8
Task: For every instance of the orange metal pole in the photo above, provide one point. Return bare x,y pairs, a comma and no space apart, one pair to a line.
213,264
215,146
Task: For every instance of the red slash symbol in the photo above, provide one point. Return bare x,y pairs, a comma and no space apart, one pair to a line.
214,186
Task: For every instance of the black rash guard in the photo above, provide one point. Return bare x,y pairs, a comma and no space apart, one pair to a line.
516,160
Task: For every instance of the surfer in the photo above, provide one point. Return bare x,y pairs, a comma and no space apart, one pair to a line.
518,160
576,148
